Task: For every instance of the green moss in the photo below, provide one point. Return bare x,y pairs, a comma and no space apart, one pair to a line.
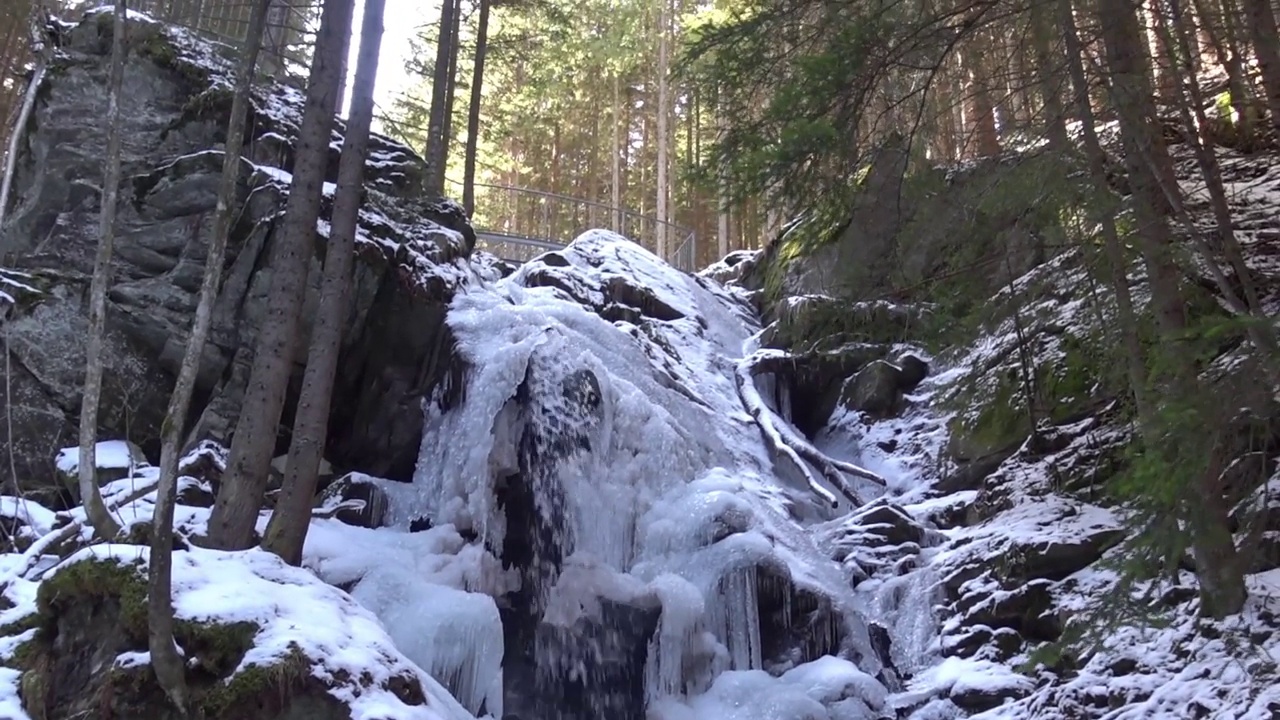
219,647
104,579
281,677
213,103
989,421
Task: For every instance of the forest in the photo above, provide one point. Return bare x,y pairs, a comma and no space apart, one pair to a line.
748,125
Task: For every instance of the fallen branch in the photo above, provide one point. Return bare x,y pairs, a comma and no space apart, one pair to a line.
64,533
789,443
20,123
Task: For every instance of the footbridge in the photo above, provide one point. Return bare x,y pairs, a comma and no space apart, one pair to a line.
518,224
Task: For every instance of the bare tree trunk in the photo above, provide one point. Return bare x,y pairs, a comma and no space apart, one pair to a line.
166,661
1222,588
1135,356
664,109
980,110
473,113
722,210
287,530
1049,78
1266,48
19,125
615,167
235,512
437,153
451,88
103,524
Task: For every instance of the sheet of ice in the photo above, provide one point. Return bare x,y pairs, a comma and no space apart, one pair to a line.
658,428
455,636
667,479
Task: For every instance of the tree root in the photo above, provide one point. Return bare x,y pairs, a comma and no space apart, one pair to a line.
787,442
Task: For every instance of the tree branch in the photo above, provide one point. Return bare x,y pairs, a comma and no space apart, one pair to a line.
786,441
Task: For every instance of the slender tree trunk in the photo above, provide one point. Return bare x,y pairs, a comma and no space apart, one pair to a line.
722,214
437,154
473,113
166,661
1049,78
615,166
235,512
451,88
19,125
1135,356
980,110
1266,48
1161,55
664,109
287,530
1226,48
1222,589
103,524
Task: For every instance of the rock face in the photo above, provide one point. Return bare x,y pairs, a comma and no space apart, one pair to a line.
397,349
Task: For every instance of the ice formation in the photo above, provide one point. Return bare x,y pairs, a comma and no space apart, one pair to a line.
601,393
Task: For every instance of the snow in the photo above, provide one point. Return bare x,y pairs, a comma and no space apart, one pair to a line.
108,455
826,689
348,649
454,635
670,491
37,518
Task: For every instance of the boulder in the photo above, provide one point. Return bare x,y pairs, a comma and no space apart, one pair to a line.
913,371
94,612
875,390
355,499
115,460
396,351
890,522
1058,558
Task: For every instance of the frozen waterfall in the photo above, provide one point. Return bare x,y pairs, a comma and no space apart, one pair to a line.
642,552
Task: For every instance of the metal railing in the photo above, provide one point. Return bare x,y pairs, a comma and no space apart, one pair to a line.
517,224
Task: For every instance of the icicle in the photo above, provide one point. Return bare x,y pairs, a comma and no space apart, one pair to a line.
458,640
741,628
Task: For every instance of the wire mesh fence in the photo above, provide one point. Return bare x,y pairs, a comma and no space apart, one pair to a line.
533,215
287,43
290,26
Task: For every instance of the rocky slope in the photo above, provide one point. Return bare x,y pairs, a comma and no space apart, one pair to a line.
590,488
412,256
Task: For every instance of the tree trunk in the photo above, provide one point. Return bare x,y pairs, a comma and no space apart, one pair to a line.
287,530
473,113
1222,589
18,126
1135,356
979,110
103,524
166,661
235,512
1049,79
664,100
436,151
1266,48
451,87
1161,53
722,210
615,167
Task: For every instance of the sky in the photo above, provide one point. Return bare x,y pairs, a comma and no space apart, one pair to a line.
403,17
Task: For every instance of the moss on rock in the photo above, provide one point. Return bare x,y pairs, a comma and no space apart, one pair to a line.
97,579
